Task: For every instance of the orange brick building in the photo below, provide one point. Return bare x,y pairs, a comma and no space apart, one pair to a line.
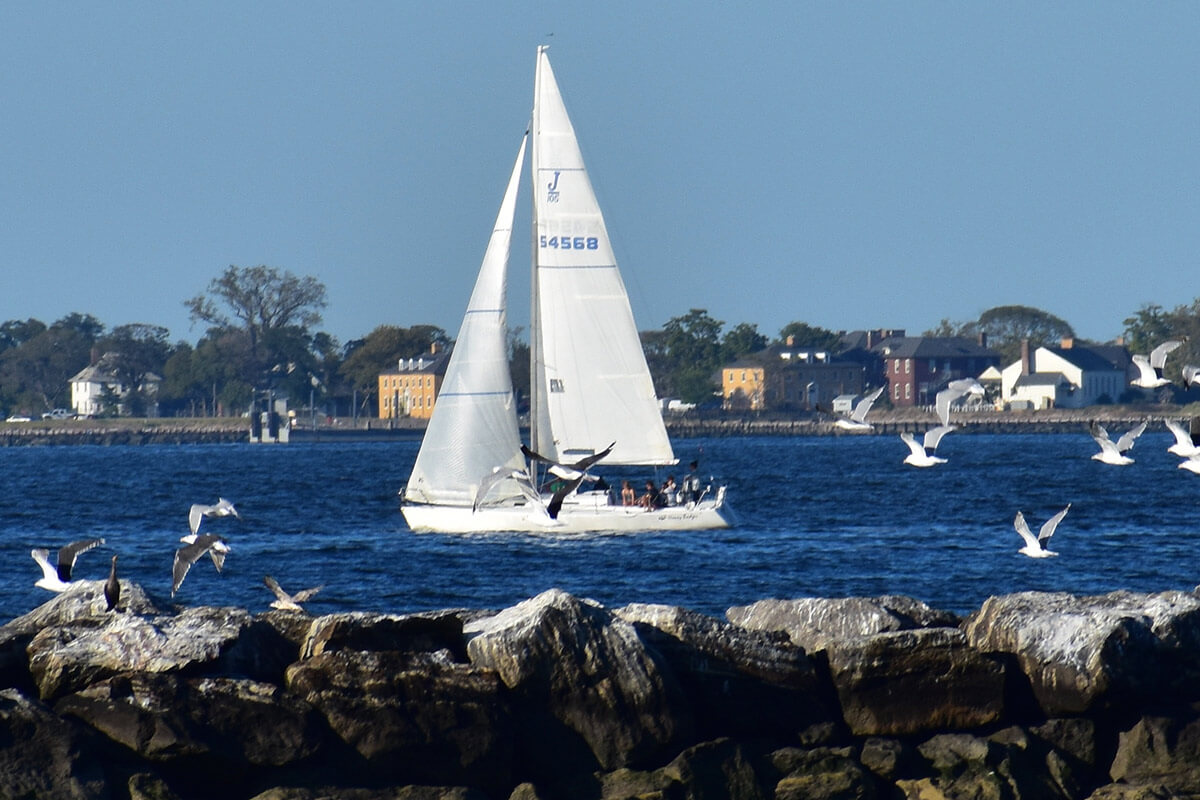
411,389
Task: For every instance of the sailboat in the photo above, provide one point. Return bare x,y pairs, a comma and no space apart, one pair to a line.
592,398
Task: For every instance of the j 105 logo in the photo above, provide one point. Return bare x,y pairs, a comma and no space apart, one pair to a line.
552,193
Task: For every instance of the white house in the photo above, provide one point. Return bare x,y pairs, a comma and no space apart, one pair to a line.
1069,376
90,385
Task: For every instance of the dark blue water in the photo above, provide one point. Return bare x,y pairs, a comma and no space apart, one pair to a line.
818,516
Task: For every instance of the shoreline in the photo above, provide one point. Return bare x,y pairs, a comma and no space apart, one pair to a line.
232,430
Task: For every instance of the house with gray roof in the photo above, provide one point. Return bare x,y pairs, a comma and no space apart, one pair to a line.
1071,375
97,385
918,367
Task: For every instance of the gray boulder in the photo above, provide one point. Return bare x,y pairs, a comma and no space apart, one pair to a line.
1162,751
814,622
81,604
397,793
716,769
44,756
67,658
427,632
1080,653
231,723
906,682
740,682
418,718
587,680
822,773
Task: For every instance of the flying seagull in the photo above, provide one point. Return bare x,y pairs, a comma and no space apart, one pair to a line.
288,602
568,471
1186,445
1150,370
222,508
187,555
953,391
923,455
857,421
1036,548
112,587
1191,374
57,579
1114,452
1191,463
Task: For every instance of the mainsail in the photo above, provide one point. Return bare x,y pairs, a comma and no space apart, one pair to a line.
590,382
474,424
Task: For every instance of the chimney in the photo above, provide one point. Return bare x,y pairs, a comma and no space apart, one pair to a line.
1068,342
1025,357
791,340
870,339
983,339
433,348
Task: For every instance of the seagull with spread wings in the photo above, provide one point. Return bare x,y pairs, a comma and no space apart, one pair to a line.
1036,547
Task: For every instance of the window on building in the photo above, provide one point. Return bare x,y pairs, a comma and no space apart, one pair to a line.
907,366
908,391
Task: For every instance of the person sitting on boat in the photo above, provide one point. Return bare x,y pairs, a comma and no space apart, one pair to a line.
652,498
670,491
628,495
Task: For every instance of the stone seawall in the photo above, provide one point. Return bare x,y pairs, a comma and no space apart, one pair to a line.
914,420
1033,695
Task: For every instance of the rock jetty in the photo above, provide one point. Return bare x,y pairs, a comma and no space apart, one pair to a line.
1034,695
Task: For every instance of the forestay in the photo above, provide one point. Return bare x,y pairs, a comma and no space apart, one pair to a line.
474,425
591,385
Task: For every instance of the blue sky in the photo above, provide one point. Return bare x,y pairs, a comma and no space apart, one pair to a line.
848,165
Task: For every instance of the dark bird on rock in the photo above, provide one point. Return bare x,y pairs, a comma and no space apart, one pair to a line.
112,587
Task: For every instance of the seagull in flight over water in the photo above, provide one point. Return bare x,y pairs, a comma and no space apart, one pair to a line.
58,578
288,602
198,511
857,421
1114,452
1186,445
1036,548
923,454
954,390
194,547
1150,370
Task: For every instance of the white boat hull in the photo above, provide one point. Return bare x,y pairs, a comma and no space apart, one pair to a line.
583,516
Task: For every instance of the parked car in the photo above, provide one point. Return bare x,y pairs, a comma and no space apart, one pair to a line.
58,413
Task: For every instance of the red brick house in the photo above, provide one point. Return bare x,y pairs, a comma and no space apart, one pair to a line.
917,367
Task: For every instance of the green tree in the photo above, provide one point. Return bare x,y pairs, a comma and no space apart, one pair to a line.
1151,325
264,303
1008,326
16,332
809,336
948,328
692,345
382,348
35,375
741,339
134,352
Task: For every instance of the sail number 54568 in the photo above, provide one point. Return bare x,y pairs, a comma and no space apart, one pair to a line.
571,242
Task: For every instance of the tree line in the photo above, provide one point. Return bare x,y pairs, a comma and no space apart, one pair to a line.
261,336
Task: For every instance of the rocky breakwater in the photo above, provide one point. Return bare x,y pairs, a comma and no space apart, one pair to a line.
1032,696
